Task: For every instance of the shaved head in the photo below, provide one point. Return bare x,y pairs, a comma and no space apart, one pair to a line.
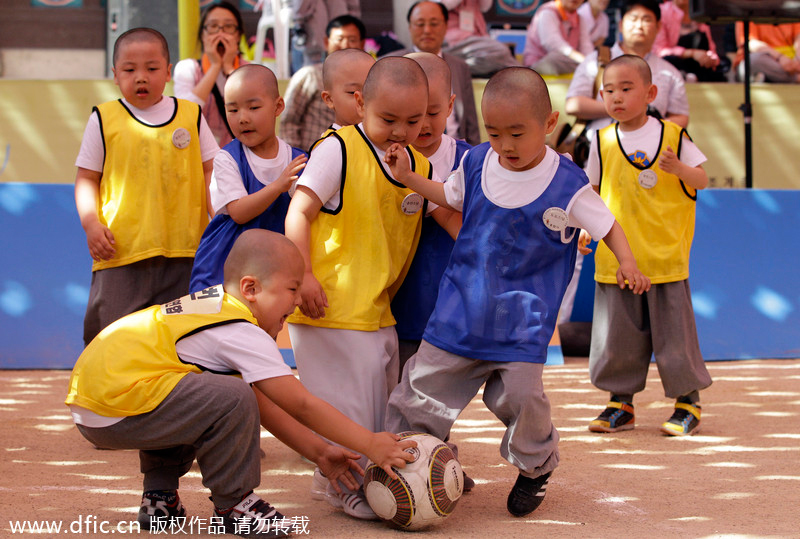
261,75
522,86
337,60
436,70
635,62
394,72
261,254
139,35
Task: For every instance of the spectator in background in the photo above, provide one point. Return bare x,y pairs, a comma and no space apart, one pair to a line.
465,19
594,20
312,16
427,23
774,50
306,115
687,45
203,81
555,43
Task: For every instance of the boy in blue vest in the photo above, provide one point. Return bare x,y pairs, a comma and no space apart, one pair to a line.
499,297
141,186
164,381
648,172
252,174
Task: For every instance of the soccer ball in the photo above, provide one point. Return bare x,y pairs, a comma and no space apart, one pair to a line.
426,490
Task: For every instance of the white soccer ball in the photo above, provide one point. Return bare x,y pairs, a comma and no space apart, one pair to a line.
427,490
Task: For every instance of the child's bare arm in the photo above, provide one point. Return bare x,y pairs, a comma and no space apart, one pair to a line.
208,168
694,177
87,194
251,206
336,463
628,270
450,220
382,448
303,210
397,159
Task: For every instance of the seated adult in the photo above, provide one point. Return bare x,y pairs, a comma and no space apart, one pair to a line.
427,24
639,26
774,51
594,20
306,115
554,43
686,44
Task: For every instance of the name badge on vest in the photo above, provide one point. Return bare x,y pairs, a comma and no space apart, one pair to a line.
555,219
181,138
648,179
412,203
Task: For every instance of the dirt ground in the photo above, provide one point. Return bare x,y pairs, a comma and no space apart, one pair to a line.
739,477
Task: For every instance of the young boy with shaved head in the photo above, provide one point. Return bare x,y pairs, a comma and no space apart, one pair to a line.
357,228
163,381
343,74
498,300
252,173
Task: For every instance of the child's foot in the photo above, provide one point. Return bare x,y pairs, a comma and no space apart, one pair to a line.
253,517
469,483
616,417
319,486
353,503
527,494
160,510
684,421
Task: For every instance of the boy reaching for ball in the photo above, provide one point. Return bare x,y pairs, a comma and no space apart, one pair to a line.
499,297
648,172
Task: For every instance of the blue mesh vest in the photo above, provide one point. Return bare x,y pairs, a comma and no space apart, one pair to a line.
500,294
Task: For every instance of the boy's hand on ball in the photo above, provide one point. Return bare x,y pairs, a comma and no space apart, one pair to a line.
339,464
386,450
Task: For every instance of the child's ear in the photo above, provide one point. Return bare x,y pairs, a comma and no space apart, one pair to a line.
451,104
249,287
279,106
326,98
652,92
551,122
359,102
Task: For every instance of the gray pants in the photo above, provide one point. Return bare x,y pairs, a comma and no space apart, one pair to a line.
555,63
212,417
628,329
437,385
763,62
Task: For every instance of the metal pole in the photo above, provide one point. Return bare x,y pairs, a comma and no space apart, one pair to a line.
747,111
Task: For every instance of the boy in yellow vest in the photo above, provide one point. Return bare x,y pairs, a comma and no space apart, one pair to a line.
647,171
357,228
160,381
141,187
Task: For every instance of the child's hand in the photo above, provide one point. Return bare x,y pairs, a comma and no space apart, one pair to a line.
669,162
583,240
101,241
338,464
397,159
637,281
290,173
385,450
314,299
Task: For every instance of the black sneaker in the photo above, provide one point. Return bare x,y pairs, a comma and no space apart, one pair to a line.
616,417
469,483
527,494
253,517
684,421
160,510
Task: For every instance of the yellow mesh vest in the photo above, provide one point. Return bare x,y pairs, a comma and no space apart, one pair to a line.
132,365
362,250
152,193
658,222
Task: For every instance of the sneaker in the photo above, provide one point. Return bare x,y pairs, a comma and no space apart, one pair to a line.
253,517
353,503
161,509
684,421
527,494
319,486
616,417
469,483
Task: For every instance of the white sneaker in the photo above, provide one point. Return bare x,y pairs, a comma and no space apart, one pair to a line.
353,503
319,486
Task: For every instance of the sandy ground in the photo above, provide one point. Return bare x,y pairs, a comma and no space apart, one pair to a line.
740,477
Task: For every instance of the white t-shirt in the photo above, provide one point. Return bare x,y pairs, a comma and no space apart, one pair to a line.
226,180
323,172
514,189
92,152
643,144
241,347
444,156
